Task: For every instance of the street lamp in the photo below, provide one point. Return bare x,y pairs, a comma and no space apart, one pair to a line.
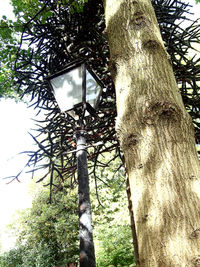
77,91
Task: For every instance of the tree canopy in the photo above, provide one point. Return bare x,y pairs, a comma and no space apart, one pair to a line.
54,33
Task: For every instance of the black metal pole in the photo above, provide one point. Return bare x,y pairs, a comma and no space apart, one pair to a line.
87,254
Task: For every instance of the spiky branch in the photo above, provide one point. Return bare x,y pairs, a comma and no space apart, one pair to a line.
65,36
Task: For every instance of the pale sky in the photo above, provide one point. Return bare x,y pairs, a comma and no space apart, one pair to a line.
14,138
6,9
15,123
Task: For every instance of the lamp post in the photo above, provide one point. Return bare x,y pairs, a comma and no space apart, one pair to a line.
77,91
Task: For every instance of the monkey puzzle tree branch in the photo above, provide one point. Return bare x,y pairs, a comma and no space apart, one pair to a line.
63,37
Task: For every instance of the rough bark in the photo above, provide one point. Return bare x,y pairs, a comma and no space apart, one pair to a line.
156,135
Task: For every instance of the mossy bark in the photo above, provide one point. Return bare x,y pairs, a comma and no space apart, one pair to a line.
157,138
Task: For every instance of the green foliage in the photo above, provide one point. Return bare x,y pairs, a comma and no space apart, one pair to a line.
48,233
10,32
112,232
12,258
6,31
116,248
75,5
25,10
8,51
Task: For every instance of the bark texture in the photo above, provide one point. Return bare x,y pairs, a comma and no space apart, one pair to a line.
156,135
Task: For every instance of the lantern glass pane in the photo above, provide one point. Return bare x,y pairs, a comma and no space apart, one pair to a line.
93,90
68,89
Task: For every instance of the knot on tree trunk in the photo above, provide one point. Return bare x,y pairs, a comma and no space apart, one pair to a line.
139,22
127,139
196,261
195,234
161,111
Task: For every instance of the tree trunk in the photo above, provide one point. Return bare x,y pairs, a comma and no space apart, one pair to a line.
156,135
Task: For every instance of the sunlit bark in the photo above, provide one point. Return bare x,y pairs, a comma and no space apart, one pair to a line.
156,135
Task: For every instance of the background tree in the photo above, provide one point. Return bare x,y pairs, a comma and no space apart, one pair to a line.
8,51
113,241
48,233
